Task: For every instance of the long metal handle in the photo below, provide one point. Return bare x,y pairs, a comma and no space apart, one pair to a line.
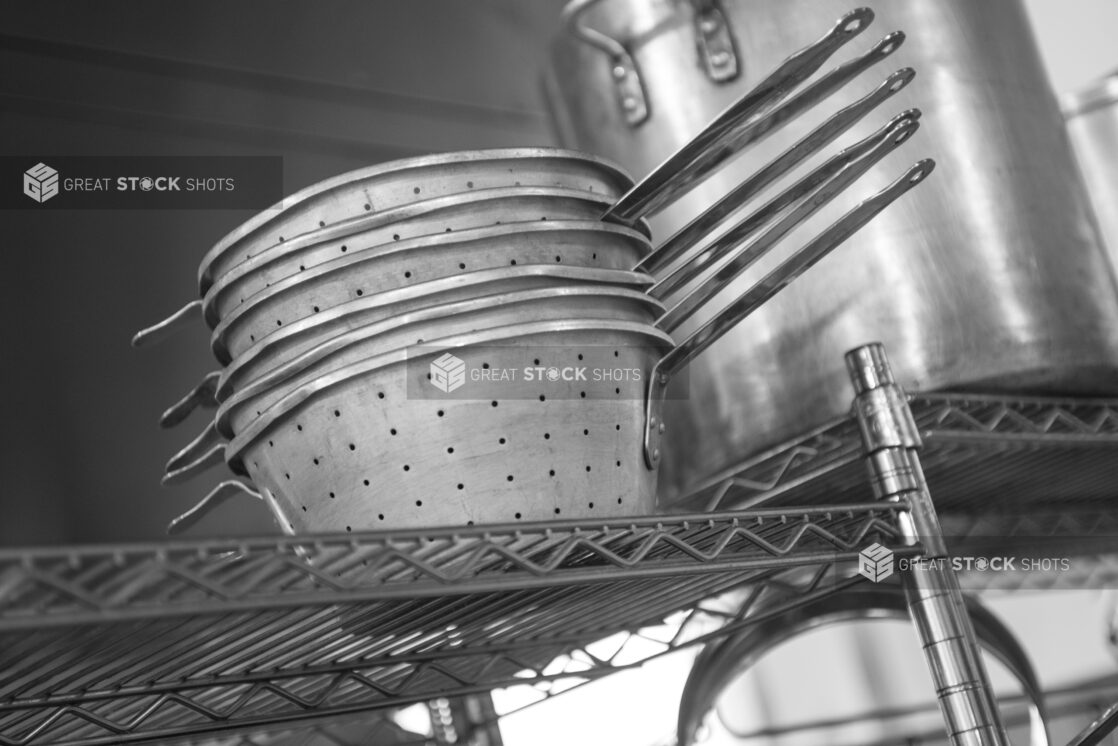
721,139
890,441
698,229
219,495
790,269
816,190
203,395
189,314
762,292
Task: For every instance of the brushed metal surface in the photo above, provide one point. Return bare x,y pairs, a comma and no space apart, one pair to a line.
1093,127
991,278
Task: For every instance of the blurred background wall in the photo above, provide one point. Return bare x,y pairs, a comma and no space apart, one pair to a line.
330,86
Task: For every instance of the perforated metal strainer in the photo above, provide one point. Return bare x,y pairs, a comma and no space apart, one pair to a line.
458,212
389,185
571,244
600,303
378,321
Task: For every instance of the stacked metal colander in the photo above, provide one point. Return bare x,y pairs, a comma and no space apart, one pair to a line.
402,345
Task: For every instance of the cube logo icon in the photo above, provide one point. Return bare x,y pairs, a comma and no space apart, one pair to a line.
448,373
875,562
40,182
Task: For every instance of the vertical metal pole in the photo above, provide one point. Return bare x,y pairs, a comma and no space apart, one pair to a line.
932,592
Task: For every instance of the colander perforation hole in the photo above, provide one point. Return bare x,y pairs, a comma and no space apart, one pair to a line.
450,449
407,467
380,394
558,258
281,239
419,503
279,322
360,292
353,446
551,472
252,337
590,505
617,427
441,413
316,309
582,394
510,478
407,274
448,230
321,223
271,444
365,482
395,236
493,403
333,495
337,413
619,501
415,191
461,265
461,486
469,185
368,207
558,511
392,431
585,431
344,248
502,441
513,262
380,516
518,516
619,463
302,268
543,398
547,436
304,508
349,528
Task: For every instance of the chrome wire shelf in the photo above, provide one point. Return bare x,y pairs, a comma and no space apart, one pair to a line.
983,456
151,642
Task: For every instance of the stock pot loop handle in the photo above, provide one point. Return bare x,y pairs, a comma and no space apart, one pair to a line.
714,42
762,292
627,85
